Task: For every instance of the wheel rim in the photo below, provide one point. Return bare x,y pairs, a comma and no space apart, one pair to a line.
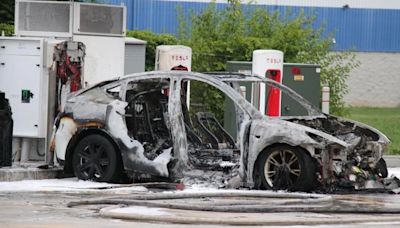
282,169
93,161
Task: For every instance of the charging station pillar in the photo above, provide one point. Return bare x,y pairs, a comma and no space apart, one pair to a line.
174,58
268,64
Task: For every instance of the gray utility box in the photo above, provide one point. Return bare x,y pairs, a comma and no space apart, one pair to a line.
135,55
302,78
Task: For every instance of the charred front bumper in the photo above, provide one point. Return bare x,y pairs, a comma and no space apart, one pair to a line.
356,168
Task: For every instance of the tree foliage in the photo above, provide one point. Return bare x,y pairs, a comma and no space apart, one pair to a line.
7,11
217,36
7,28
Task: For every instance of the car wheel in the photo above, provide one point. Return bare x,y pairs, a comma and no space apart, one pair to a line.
95,158
286,168
381,168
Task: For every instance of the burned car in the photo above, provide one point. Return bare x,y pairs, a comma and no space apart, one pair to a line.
140,126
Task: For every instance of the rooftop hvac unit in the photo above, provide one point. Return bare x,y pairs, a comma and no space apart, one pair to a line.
43,18
63,19
98,19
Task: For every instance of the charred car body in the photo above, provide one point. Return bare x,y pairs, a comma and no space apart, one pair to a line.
139,125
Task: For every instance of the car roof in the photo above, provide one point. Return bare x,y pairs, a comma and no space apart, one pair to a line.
234,76
222,75
219,76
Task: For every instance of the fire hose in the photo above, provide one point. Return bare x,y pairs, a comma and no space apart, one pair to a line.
291,202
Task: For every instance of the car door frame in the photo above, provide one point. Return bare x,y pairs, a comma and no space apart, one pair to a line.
150,167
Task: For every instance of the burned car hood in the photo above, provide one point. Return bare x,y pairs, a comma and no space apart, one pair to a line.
351,132
334,125
299,123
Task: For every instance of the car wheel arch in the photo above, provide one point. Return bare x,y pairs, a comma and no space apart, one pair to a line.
80,134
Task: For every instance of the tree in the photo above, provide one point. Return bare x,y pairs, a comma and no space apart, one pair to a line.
217,36
7,11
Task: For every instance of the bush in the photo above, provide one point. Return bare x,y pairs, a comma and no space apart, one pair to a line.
7,28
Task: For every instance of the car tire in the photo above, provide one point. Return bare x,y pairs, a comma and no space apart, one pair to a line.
286,168
95,158
381,168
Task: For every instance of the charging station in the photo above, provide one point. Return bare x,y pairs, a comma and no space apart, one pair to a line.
51,40
177,58
268,64
173,57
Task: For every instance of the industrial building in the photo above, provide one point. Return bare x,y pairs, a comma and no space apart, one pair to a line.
370,28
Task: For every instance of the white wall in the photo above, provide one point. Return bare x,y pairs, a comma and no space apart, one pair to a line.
376,82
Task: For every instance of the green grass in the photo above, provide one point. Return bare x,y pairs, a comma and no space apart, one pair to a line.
387,120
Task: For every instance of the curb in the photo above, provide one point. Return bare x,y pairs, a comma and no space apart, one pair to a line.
17,174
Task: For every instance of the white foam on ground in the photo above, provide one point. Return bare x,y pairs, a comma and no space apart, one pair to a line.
66,185
394,171
75,185
139,210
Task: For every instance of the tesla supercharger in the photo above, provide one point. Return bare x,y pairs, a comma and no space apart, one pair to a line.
269,64
174,57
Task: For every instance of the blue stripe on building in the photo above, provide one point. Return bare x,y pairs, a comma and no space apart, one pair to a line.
370,30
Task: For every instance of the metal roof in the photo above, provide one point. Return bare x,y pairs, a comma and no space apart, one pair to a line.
355,28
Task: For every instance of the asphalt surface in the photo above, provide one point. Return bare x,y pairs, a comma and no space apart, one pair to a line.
49,209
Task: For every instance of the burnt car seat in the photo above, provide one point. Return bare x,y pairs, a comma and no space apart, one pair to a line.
146,120
216,134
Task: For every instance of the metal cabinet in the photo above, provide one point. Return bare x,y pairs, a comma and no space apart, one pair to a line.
21,78
305,80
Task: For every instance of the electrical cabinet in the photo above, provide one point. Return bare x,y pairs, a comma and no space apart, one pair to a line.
27,68
22,79
305,80
135,55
